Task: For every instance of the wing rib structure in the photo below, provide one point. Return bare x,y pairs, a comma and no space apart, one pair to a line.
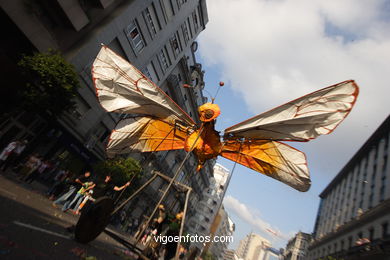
302,119
121,88
145,134
255,144
274,159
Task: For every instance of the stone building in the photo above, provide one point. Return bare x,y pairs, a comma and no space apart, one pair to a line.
157,36
201,223
224,230
297,247
253,247
353,216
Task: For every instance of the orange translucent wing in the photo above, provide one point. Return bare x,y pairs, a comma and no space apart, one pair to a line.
274,159
302,119
145,134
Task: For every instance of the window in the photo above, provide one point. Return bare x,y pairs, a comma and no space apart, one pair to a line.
134,35
195,20
104,136
175,44
164,59
371,234
382,193
384,229
150,72
82,107
180,3
370,200
168,10
184,28
152,20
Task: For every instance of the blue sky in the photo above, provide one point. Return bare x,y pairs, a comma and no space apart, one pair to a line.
270,52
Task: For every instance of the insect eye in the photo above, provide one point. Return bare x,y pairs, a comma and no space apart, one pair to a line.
208,113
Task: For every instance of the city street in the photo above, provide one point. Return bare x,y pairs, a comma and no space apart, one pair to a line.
30,228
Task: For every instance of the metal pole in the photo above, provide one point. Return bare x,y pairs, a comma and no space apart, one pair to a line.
168,179
120,195
163,196
224,192
170,184
147,160
182,224
135,193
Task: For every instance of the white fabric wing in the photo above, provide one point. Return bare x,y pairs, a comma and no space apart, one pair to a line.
302,119
122,88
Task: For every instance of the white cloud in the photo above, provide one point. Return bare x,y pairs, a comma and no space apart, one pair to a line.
273,51
252,217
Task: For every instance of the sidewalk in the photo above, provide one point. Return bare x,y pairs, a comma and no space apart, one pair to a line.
30,228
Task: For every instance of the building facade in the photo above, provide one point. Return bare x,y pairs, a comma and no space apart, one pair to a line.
353,216
203,221
253,247
229,254
157,36
224,230
297,247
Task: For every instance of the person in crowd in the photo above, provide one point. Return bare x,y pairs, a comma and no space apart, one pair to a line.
62,181
14,156
52,172
39,167
102,188
140,228
122,218
87,197
135,224
72,192
129,226
44,169
99,189
84,191
160,220
173,230
7,154
32,163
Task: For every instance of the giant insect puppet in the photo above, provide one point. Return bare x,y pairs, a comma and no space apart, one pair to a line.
157,123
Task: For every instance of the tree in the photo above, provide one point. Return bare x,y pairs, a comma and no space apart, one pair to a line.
51,85
209,256
121,169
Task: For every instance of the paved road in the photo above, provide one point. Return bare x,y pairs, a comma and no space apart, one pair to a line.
30,228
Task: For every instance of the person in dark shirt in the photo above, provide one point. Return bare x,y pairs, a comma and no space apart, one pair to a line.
106,186
174,230
100,189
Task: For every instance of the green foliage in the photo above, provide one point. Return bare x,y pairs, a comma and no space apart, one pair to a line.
209,256
331,258
52,82
121,169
